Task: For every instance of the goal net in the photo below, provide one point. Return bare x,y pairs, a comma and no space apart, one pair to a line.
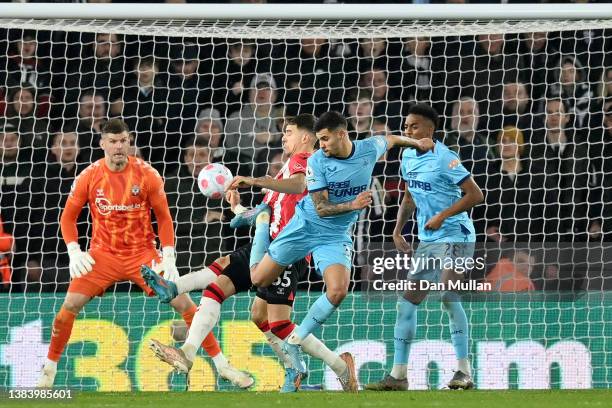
524,97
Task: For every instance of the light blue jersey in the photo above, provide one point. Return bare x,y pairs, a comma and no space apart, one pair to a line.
433,179
328,238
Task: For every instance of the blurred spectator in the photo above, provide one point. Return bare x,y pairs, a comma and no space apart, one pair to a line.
368,54
198,219
512,273
539,59
313,82
144,108
387,106
253,129
484,73
562,157
101,67
234,68
25,68
32,130
605,86
514,192
359,115
571,87
210,129
188,90
92,115
470,143
516,110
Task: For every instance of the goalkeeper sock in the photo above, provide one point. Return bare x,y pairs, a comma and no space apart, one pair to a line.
315,348
318,313
403,333
206,317
458,323
60,333
275,343
210,343
197,280
261,240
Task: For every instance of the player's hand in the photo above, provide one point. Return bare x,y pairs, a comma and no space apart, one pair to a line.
435,222
169,264
401,244
425,144
363,200
81,263
214,216
240,182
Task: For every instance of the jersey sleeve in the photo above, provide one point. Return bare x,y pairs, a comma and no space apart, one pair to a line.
378,144
298,164
315,179
452,169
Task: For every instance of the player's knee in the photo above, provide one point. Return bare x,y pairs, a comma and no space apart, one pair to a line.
223,262
71,306
336,294
448,298
258,314
259,279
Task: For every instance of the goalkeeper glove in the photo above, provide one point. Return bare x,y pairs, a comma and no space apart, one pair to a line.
80,262
168,264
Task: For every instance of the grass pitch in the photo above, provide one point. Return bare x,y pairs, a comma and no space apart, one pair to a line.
410,399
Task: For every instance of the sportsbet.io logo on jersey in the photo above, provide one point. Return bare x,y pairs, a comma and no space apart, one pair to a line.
343,189
105,207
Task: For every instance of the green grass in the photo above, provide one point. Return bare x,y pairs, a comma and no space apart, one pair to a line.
410,399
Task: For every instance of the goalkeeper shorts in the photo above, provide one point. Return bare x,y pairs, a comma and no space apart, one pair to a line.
110,269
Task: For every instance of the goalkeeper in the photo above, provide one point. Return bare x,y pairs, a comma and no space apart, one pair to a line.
272,307
121,190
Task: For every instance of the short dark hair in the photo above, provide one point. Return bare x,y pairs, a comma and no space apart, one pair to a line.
304,121
115,126
331,121
426,111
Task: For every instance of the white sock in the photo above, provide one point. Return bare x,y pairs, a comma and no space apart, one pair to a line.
220,361
399,371
51,364
203,322
275,343
464,366
315,348
197,280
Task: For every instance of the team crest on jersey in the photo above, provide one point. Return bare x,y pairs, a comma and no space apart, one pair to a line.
454,163
99,192
135,190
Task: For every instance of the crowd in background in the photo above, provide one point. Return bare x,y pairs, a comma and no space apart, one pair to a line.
530,116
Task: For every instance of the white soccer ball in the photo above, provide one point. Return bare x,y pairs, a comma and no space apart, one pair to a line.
213,179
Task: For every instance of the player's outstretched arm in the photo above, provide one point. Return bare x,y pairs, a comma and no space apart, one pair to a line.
472,195
405,212
324,208
295,184
401,141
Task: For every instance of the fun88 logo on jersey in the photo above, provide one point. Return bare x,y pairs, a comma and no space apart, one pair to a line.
341,189
413,183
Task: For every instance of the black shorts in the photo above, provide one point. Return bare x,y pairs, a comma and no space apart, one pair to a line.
281,292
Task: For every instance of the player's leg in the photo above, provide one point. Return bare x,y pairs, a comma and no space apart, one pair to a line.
451,301
166,290
60,334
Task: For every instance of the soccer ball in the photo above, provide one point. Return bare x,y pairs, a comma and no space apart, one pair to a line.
213,179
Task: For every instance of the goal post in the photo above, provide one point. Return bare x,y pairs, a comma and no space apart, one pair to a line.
524,96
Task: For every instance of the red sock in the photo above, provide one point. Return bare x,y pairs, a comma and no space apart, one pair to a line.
216,268
264,327
282,328
210,343
60,333
214,292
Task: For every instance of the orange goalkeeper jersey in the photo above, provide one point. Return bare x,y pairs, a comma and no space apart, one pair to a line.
120,204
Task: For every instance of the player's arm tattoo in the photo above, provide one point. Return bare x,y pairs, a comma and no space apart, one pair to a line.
325,208
406,209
